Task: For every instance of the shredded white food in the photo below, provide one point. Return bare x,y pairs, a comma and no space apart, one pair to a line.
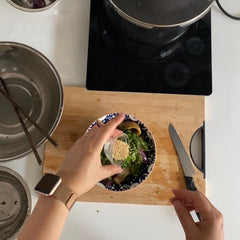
120,150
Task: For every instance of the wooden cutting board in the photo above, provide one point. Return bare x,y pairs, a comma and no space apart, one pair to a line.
82,107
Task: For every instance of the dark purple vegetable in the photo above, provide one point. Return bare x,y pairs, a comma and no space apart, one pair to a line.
109,183
143,155
38,3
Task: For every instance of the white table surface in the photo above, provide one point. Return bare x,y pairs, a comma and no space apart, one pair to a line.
61,33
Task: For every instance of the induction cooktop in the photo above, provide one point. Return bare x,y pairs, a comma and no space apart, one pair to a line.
119,63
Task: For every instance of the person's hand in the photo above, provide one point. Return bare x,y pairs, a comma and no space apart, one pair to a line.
82,168
211,225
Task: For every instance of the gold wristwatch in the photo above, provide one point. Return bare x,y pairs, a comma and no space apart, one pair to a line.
52,185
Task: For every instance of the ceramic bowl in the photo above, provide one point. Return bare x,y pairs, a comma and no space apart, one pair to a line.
33,5
131,182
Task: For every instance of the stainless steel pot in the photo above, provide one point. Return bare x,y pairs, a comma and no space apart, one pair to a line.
155,21
15,203
35,85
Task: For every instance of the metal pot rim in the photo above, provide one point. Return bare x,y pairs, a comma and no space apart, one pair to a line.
150,25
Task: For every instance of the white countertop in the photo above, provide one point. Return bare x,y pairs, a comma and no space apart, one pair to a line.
61,33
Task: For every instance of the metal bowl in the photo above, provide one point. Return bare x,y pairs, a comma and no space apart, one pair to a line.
27,5
15,203
35,85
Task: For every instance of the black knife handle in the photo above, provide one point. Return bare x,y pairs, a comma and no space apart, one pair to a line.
190,184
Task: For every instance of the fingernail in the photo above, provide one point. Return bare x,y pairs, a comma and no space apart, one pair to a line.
119,169
174,190
122,114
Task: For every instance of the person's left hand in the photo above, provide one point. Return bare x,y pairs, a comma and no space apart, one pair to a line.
82,168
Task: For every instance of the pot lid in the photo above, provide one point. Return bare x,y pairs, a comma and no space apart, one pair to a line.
162,13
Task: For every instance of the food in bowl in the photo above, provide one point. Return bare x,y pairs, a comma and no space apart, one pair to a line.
139,163
38,3
132,155
33,5
120,150
116,149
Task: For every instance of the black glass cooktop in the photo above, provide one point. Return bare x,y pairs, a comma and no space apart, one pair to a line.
118,63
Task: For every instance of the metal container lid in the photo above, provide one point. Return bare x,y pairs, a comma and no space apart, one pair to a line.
162,13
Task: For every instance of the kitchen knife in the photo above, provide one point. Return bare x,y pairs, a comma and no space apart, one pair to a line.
185,161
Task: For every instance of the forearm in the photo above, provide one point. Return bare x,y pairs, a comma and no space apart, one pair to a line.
80,171
47,220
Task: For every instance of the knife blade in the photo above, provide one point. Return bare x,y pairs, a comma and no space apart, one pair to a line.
185,161
184,158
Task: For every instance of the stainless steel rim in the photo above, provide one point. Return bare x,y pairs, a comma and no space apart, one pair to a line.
23,182
149,25
60,110
31,9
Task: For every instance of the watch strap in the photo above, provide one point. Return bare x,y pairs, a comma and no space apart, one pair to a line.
66,195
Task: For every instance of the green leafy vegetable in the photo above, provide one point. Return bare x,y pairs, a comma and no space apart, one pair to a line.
134,162
104,159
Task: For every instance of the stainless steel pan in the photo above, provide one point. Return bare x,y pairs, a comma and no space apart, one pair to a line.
156,21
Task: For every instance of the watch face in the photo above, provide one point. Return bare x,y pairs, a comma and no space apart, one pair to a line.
48,184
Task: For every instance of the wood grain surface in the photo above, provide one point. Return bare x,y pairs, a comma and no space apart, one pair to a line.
82,107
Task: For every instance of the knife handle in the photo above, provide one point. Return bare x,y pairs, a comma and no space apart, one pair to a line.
190,184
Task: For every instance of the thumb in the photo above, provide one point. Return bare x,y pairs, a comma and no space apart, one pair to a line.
184,217
110,170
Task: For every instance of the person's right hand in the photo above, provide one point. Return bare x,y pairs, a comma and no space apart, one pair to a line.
211,225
